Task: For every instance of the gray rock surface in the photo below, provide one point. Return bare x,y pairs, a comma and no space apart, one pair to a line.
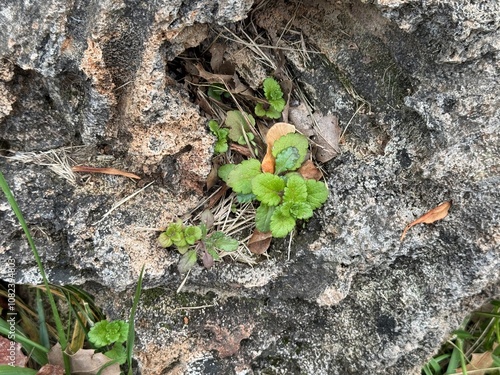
416,89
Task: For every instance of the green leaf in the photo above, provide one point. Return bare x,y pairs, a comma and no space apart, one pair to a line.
174,231
214,127
272,113
16,370
272,89
118,353
213,253
281,222
240,178
259,110
263,217
223,242
277,104
292,140
105,333
317,193
286,159
192,234
267,188
295,190
221,134
165,240
187,261
224,171
301,210
245,198
237,123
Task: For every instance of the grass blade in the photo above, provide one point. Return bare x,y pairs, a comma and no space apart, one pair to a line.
131,323
13,370
57,319
38,352
43,332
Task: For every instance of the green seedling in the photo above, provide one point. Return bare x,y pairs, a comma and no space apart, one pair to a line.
105,333
284,196
221,145
275,102
193,241
217,91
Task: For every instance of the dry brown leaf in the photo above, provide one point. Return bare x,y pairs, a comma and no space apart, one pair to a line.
217,51
479,363
243,150
309,170
437,213
212,177
324,129
113,171
274,133
51,370
6,356
84,361
259,242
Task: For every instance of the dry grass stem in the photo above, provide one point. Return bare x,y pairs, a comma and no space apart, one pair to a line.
124,200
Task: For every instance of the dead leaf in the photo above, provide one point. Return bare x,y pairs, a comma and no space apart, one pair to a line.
243,150
324,129
217,51
113,171
309,170
84,361
480,363
437,213
212,177
259,242
51,370
6,357
274,133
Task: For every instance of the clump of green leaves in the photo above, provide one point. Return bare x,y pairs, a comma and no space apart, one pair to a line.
193,241
284,196
221,145
275,102
105,333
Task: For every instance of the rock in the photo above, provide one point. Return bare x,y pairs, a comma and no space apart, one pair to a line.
416,92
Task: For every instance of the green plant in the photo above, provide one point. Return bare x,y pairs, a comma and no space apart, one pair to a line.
194,240
221,145
239,124
81,310
475,348
284,196
275,102
217,91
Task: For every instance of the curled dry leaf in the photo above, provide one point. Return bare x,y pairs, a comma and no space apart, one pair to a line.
243,150
308,170
84,361
437,213
259,242
113,171
480,363
324,129
274,133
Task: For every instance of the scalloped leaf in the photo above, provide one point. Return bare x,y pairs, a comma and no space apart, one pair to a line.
292,140
267,188
237,124
281,222
295,190
301,210
240,178
317,193
272,89
224,171
286,159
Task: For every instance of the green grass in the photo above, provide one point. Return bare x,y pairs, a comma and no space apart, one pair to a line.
36,334
479,333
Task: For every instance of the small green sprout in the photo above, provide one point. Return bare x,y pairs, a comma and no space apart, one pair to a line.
284,196
275,102
221,145
194,240
105,333
217,91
